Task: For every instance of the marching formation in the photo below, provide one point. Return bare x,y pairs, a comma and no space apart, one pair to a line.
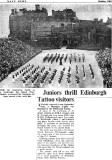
56,70
58,58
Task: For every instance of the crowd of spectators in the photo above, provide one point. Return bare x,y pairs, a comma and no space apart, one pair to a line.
105,63
13,54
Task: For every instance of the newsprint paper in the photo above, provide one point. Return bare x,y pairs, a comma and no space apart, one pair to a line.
55,80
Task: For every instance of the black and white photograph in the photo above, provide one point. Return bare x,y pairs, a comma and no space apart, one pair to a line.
55,45
55,80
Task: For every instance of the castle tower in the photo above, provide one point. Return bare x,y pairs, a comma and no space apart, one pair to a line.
37,7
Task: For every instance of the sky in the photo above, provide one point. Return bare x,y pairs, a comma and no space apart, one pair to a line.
83,11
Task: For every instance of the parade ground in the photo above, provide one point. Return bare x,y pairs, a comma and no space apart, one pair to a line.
65,68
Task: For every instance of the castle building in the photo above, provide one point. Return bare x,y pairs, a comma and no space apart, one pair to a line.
37,26
37,23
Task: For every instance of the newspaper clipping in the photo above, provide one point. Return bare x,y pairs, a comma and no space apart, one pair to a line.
55,80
